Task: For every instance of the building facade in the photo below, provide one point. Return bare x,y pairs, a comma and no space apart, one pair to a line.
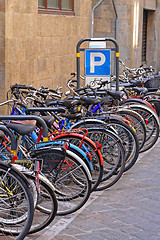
138,32
38,41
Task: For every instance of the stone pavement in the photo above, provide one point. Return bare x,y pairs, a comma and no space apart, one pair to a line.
128,210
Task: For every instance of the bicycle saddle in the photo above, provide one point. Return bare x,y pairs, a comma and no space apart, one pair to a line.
89,100
116,94
140,90
70,103
136,83
22,127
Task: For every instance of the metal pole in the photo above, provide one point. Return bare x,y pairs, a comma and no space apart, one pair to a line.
92,16
116,21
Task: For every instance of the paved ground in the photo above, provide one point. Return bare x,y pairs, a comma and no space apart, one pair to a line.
128,210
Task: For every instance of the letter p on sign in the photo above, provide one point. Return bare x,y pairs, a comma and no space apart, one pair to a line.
97,62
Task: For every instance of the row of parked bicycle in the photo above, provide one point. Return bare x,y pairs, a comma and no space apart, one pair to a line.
56,150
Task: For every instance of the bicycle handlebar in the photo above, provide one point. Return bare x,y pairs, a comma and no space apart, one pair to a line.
8,101
21,86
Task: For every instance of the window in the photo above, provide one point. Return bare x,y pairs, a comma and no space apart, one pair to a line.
56,6
144,35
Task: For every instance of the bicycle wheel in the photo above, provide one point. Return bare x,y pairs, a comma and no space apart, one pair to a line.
129,140
137,122
125,133
152,125
70,177
113,155
16,203
152,95
137,101
156,103
112,151
46,207
91,150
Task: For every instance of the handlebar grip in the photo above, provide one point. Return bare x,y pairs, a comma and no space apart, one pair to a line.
104,82
19,86
73,74
32,88
71,85
45,91
41,94
80,89
42,87
53,91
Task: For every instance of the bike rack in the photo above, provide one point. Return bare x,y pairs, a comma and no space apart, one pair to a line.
116,49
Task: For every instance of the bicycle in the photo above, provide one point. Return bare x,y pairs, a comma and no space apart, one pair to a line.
63,166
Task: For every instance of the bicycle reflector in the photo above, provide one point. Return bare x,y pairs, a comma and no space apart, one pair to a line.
14,158
89,157
99,145
146,121
65,146
127,123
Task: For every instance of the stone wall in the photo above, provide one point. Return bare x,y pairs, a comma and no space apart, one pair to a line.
41,48
2,49
130,49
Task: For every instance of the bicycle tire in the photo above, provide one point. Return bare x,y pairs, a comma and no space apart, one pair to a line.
69,201
113,168
111,146
156,103
152,126
137,122
129,139
96,157
137,101
131,150
46,207
152,95
23,202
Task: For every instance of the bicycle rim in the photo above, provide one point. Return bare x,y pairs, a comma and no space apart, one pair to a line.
16,205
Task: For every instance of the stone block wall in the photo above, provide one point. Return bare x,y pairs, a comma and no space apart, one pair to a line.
104,26
40,49
2,49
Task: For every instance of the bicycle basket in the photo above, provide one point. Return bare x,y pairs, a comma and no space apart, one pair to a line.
153,82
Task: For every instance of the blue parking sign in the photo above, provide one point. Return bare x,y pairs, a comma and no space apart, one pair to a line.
97,62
